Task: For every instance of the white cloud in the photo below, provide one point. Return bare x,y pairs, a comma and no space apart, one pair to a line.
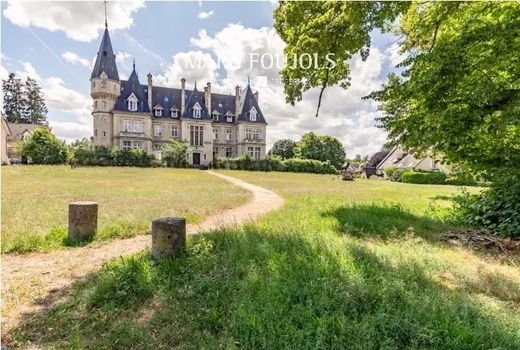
80,20
194,66
74,58
205,15
122,56
343,113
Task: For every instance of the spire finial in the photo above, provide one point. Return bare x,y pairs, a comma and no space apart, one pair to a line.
133,63
195,85
106,20
248,80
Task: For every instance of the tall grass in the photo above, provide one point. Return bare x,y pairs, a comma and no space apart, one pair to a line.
330,270
35,201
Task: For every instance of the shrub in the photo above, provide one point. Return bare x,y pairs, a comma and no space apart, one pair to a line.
497,209
85,153
416,177
461,179
276,164
394,174
44,148
133,157
175,154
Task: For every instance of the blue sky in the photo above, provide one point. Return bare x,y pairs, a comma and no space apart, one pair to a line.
56,42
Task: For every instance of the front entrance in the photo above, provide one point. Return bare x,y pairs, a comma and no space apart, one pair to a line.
196,158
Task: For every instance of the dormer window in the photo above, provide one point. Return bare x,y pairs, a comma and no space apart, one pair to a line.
174,113
157,111
215,115
229,117
252,114
132,103
197,111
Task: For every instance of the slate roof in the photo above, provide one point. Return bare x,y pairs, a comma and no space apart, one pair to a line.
129,87
18,129
105,60
222,104
248,101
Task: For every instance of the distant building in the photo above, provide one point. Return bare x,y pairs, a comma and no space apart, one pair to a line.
18,133
6,132
402,159
129,114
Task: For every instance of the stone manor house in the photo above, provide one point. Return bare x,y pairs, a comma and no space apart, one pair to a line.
130,115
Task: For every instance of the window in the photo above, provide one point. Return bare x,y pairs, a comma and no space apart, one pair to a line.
166,99
104,133
136,144
256,134
158,130
175,131
257,152
249,134
104,104
251,151
197,111
93,84
196,135
103,84
132,103
95,104
95,132
229,152
133,125
215,117
229,134
252,114
220,105
215,152
229,118
173,113
158,112
128,145
215,133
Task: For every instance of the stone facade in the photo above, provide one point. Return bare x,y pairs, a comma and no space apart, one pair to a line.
129,114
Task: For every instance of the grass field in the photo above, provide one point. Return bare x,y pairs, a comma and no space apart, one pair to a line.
342,265
35,201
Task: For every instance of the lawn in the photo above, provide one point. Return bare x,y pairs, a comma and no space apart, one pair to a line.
35,201
354,265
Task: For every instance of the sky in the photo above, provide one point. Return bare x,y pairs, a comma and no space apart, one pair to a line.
56,43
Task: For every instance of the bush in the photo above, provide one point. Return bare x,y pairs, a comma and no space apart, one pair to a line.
175,154
85,153
416,177
394,174
276,164
461,179
44,148
497,209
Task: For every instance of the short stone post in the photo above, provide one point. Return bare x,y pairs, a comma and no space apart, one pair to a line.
82,220
168,237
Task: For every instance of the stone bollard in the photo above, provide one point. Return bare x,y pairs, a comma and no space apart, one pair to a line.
82,220
168,237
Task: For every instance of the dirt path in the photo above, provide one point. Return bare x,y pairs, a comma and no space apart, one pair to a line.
34,281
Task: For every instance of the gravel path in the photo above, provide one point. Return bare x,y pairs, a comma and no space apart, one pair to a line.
39,280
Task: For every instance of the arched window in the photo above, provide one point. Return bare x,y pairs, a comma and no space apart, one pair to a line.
252,114
197,111
132,103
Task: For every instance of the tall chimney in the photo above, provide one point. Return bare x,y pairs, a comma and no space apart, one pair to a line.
150,91
256,96
237,101
183,94
208,97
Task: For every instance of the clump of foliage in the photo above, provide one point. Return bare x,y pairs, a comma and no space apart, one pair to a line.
276,164
423,177
320,147
282,148
85,153
497,209
471,116
175,154
44,148
23,103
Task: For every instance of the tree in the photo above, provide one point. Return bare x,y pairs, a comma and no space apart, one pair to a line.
35,110
44,148
175,154
14,100
283,148
377,157
324,148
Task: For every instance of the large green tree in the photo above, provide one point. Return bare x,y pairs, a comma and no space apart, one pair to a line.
35,110
283,148
323,148
13,99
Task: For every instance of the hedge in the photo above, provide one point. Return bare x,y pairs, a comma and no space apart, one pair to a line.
112,156
295,165
433,178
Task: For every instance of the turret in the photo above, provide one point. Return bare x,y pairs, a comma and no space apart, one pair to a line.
105,87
